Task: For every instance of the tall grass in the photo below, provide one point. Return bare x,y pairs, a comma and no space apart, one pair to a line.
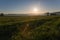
39,28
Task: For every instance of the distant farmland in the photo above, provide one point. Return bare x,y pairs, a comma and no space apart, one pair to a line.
30,28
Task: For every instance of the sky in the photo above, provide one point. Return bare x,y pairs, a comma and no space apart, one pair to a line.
26,6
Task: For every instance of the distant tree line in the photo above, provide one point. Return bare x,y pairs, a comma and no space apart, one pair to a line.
51,14
1,14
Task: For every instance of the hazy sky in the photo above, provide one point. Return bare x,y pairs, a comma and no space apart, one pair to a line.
26,6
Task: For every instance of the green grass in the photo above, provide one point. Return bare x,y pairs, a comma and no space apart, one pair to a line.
30,28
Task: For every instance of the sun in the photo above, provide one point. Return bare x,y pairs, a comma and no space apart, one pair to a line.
35,9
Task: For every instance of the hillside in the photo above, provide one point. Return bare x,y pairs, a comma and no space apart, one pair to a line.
30,28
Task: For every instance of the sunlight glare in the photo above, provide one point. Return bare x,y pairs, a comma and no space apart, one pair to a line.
35,9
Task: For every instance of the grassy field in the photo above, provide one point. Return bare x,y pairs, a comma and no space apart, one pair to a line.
30,28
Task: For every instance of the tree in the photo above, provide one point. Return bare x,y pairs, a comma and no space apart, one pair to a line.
48,14
1,14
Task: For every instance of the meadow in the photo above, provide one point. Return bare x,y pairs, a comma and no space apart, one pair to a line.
29,27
